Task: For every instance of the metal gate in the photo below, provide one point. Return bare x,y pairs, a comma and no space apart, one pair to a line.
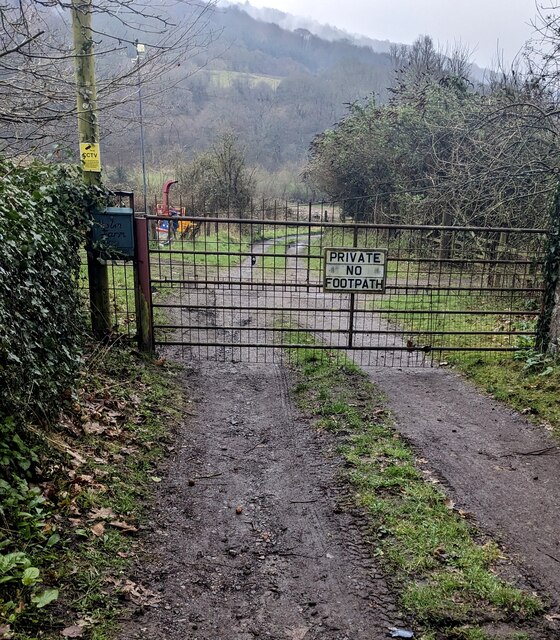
245,289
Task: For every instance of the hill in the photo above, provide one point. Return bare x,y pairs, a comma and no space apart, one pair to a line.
324,31
273,87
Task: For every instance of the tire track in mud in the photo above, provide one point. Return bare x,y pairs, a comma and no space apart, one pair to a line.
293,564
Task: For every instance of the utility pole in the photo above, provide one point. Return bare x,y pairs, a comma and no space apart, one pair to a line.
88,127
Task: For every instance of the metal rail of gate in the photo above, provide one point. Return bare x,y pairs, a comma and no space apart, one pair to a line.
243,289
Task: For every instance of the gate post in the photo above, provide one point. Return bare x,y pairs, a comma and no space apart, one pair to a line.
142,289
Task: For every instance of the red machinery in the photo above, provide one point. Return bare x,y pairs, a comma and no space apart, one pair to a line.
176,227
165,205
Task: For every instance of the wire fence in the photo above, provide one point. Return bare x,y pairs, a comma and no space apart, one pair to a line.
121,295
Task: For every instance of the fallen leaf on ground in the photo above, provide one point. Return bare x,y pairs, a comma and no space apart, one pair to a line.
139,594
77,458
129,450
102,513
75,631
123,526
551,617
98,529
94,428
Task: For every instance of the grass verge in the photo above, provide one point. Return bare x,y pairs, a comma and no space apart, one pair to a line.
448,577
526,380
94,472
530,383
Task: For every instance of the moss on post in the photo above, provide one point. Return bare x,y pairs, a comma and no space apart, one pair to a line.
548,327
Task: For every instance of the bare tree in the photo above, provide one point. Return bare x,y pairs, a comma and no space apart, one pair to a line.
37,91
542,52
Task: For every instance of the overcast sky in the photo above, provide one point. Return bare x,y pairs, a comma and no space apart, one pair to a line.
486,26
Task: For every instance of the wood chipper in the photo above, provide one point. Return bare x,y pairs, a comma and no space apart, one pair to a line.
174,227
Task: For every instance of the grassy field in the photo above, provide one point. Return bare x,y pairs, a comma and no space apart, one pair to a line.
224,79
226,248
446,572
443,313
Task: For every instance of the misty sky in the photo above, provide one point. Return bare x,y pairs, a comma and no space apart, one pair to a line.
486,26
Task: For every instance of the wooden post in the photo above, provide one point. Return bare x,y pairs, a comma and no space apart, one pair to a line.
88,127
143,293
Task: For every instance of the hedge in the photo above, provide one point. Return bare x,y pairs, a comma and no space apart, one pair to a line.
44,214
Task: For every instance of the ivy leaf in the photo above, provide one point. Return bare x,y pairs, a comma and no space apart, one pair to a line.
46,597
53,540
30,576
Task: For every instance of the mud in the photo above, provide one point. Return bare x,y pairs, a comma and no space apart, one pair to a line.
248,538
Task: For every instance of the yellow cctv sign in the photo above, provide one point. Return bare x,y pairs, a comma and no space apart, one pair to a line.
90,156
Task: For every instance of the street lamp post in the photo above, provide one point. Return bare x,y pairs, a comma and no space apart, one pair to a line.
140,49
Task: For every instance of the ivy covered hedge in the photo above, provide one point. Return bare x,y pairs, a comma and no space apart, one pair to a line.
45,211
44,214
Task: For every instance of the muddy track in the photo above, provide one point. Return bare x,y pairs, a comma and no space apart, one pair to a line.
498,466
293,562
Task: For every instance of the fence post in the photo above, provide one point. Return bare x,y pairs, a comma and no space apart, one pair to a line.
309,216
352,307
142,289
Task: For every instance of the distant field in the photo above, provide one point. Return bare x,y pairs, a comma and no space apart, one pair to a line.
224,79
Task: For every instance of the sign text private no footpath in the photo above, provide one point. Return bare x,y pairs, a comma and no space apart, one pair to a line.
355,270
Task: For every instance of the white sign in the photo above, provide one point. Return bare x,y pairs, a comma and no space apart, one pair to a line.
355,270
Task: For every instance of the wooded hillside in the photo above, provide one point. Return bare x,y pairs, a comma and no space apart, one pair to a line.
274,88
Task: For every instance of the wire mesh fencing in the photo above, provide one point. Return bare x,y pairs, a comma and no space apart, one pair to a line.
120,275
246,288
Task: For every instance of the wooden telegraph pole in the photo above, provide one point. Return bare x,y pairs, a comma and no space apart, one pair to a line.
88,127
